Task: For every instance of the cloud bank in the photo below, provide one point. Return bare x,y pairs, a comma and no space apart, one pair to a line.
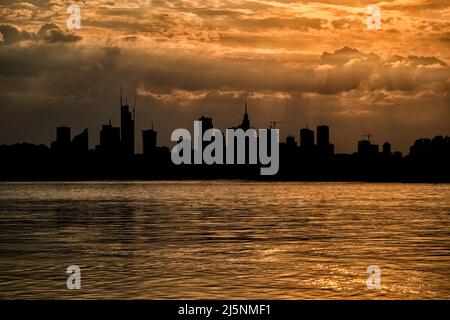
309,63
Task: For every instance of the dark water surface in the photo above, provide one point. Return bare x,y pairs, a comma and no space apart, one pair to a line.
224,239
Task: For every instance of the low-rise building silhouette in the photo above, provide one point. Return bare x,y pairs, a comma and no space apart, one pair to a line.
366,148
290,141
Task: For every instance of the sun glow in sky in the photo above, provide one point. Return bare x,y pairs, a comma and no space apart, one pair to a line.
300,62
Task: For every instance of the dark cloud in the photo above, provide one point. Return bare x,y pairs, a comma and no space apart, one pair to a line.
351,90
419,5
445,38
297,23
345,54
52,33
49,32
424,61
346,23
12,34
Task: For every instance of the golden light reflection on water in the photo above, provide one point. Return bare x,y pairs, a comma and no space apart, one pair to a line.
224,239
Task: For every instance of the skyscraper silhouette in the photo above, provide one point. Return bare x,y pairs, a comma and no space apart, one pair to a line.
62,143
387,149
126,127
149,141
307,139
80,143
109,139
206,123
245,125
324,147
323,136
63,136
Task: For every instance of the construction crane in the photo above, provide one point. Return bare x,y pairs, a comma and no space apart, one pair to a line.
273,124
369,136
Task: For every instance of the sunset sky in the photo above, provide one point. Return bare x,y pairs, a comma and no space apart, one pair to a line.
300,62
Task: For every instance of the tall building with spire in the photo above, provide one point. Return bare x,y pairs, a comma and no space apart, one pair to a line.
126,127
245,125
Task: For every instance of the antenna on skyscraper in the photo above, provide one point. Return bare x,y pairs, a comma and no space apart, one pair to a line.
273,124
369,136
120,95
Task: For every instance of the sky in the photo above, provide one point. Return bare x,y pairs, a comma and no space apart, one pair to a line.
303,63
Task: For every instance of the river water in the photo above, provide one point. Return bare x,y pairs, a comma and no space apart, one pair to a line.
224,240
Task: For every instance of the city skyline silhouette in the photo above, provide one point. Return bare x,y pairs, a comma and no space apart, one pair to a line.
313,157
